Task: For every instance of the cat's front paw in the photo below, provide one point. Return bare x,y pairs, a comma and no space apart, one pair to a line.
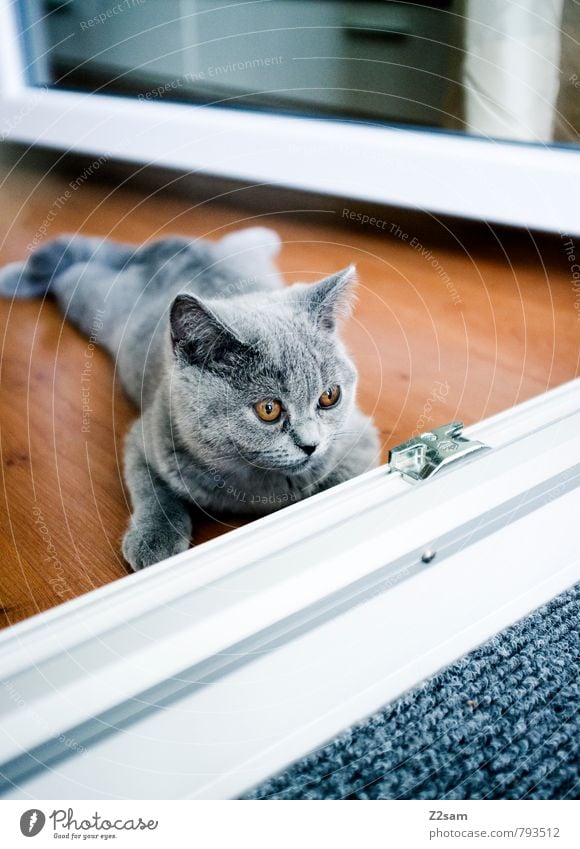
145,544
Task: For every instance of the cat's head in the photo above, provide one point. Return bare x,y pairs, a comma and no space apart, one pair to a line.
264,378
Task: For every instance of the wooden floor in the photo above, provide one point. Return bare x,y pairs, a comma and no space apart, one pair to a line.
447,327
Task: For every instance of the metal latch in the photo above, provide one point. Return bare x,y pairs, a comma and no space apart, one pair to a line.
426,454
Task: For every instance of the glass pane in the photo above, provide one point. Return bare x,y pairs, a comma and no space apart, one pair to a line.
485,67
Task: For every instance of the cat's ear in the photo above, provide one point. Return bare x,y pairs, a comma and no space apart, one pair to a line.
200,336
332,298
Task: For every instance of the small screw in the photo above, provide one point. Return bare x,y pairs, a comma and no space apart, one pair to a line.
428,555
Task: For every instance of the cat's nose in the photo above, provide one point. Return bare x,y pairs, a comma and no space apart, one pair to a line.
308,449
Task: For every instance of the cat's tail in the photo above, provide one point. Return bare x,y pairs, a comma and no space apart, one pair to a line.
253,254
42,270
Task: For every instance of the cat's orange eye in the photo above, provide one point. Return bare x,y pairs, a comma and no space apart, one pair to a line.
269,410
330,396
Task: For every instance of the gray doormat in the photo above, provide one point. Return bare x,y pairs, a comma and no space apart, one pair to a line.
501,723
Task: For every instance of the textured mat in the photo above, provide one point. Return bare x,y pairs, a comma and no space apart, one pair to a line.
501,723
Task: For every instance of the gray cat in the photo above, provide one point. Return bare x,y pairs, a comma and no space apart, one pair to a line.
246,391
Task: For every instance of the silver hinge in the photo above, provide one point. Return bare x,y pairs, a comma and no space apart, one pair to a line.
425,455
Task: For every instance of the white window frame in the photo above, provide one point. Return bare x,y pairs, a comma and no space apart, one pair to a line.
527,185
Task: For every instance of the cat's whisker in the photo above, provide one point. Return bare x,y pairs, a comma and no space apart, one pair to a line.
336,436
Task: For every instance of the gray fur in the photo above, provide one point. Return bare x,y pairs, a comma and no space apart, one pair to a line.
200,332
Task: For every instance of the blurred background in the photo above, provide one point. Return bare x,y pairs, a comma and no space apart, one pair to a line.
484,67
